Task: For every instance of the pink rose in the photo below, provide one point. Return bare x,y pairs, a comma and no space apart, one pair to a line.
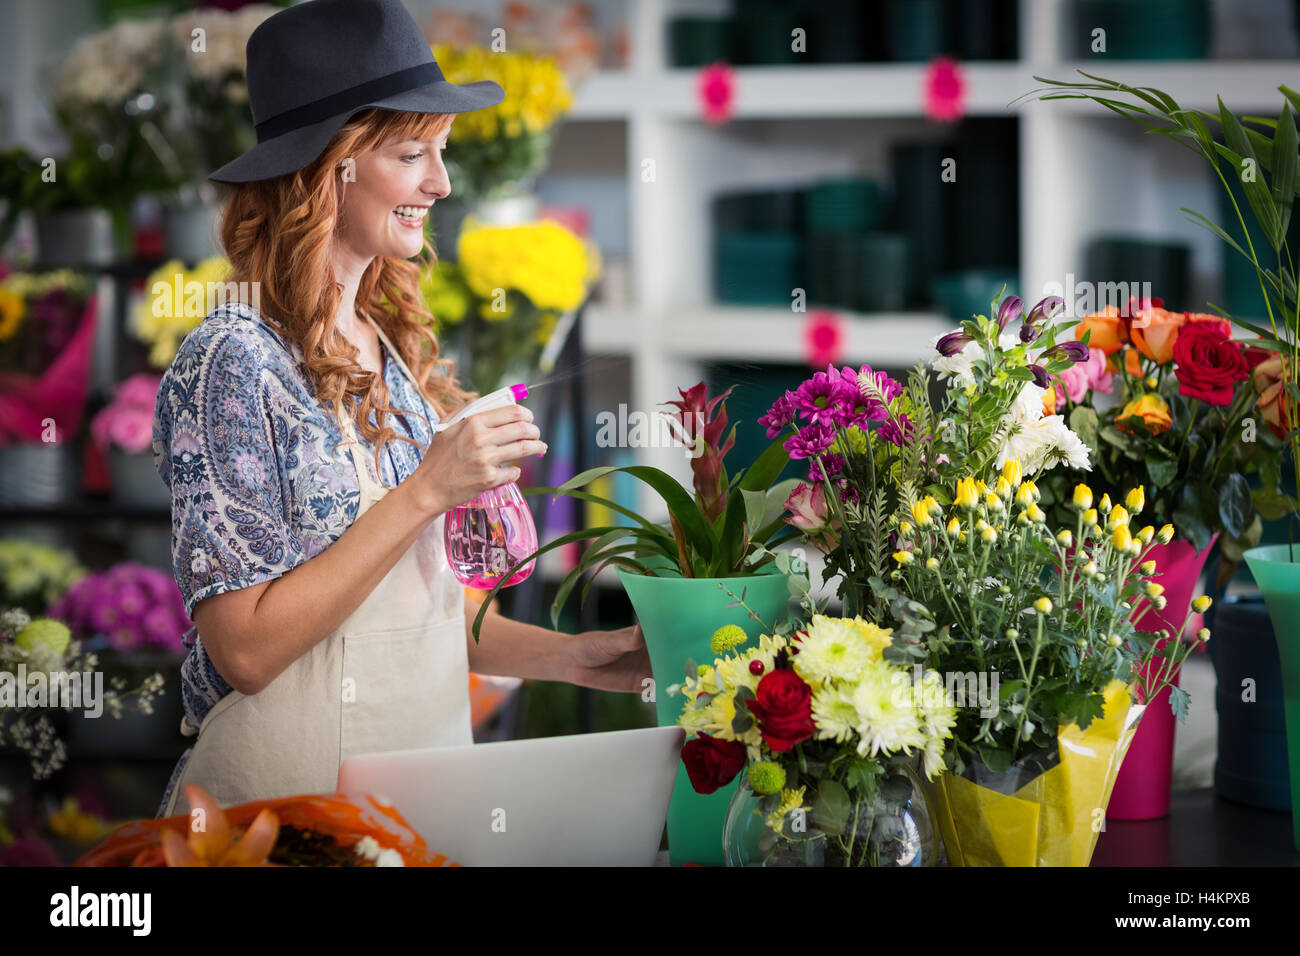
808,509
1086,376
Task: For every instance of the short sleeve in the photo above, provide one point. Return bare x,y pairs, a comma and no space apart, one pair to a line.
217,443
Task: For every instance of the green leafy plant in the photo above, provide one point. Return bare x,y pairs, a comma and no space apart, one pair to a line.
726,529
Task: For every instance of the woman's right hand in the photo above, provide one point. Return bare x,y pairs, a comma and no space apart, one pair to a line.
468,458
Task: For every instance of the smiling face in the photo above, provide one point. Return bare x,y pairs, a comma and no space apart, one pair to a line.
384,211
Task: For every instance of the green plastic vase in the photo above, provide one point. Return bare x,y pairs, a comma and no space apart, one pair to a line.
1277,573
678,617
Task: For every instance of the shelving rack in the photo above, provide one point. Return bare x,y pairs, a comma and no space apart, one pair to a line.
1083,173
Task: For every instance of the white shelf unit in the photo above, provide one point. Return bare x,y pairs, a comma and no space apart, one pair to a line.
1083,173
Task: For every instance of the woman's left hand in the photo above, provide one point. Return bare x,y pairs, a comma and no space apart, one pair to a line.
611,660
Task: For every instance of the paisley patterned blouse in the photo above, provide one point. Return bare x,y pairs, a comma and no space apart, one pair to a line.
259,481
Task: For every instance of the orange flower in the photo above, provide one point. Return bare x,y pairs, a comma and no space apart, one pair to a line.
1151,408
212,841
1275,406
1154,331
1049,399
1107,327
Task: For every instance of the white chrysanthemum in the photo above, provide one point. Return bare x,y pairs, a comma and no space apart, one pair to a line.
887,720
1068,447
833,649
1028,406
932,758
834,712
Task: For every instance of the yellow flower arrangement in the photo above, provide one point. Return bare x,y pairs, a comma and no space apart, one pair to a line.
543,260
537,92
175,302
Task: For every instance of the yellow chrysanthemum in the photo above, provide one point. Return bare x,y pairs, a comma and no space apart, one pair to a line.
542,260
537,91
838,648
887,720
175,302
791,800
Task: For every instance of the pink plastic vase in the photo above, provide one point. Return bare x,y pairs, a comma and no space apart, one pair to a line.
1142,788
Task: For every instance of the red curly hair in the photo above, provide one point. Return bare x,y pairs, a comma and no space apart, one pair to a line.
277,233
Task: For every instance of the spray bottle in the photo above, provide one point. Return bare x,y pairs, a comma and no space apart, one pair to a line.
489,533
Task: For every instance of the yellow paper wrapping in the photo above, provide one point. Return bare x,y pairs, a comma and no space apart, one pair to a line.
1055,818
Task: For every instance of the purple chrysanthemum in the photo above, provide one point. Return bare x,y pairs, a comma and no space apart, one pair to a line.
824,399
833,463
898,431
810,440
779,415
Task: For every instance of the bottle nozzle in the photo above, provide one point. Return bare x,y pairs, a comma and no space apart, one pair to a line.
519,391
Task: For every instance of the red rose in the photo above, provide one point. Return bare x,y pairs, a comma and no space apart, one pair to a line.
783,710
1209,363
712,763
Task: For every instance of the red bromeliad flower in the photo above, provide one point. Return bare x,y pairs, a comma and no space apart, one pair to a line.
695,419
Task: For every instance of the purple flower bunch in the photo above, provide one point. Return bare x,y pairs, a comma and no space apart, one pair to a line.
835,399
135,607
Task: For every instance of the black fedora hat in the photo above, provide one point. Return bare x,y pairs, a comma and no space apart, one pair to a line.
313,65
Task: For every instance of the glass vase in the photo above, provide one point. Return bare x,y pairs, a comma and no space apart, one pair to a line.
892,827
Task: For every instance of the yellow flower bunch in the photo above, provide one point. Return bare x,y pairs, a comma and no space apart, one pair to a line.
175,302
550,265
445,293
537,92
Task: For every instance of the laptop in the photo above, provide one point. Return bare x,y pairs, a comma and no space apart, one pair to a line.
581,800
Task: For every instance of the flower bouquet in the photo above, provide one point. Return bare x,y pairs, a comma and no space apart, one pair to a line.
128,608
829,727
42,670
495,150
123,431
211,124
311,830
1165,400
177,301
33,576
503,300
876,447
47,326
941,536
1256,157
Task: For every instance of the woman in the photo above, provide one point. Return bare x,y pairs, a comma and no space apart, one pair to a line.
309,492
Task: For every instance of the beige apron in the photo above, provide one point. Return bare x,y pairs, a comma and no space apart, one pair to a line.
393,676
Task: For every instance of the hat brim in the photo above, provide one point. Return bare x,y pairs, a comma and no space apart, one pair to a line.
293,150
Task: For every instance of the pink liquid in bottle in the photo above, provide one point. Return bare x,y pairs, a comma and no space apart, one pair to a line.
487,535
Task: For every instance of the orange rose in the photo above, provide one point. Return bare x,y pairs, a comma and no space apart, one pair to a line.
1151,408
1275,406
1155,330
1107,328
